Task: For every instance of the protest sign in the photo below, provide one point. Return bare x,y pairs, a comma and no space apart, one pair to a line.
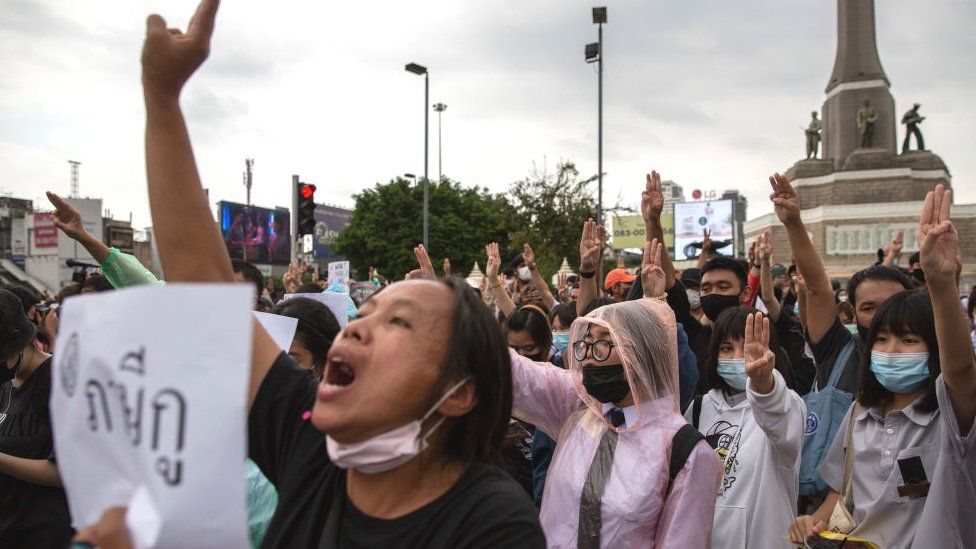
341,305
339,275
280,328
149,411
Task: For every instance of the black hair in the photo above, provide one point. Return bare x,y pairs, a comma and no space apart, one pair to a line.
791,270
98,283
876,272
16,331
317,327
731,325
477,351
28,297
531,319
69,290
250,273
728,264
908,312
596,303
566,312
309,288
915,258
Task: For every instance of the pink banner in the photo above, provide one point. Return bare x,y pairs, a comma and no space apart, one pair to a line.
45,233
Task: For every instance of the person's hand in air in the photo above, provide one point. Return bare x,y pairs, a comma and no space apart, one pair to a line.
170,57
652,275
760,360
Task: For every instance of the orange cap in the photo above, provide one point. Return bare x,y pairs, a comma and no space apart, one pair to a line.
618,275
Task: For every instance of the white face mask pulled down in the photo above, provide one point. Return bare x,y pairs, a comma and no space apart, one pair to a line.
388,450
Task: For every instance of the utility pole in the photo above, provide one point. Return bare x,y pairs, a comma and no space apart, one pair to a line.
248,178
439,108
75,165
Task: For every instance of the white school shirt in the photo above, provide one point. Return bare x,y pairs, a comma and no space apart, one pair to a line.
759,438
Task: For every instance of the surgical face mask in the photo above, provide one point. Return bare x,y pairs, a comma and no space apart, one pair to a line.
842,298
852,328
524,274
900,372
713,304
606,383
796,309
560,340
390,449
733,371
693,299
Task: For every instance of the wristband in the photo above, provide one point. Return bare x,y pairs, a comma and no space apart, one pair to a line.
590,274
662,297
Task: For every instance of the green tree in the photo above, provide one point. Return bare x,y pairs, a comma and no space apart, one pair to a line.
551,209
387,222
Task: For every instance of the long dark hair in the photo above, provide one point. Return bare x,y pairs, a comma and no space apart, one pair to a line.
908,312
478,351
532,319
731,325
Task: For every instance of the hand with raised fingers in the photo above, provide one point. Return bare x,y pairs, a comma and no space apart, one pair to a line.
170,57
426,267
290,279
529,256
590,247
760,360
494,262
562,287
764,246
66,217
706,240
653,278
446,266
938,240
785,200
652,199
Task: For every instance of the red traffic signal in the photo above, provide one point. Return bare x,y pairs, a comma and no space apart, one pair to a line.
307,191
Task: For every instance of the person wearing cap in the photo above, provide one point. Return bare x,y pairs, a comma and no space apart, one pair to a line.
33,507
780,277
618,283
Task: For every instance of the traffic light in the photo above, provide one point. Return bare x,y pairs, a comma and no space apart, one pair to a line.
306,209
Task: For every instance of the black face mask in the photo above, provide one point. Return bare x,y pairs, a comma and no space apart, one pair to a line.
713,304
606,383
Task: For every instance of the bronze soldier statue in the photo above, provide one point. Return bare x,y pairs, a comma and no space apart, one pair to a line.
865,124
813,135
911,120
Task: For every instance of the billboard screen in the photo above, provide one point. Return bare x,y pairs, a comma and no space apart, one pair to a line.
692,218
628,231
258,235
329,222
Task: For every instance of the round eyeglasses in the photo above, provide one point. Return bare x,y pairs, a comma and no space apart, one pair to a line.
601,349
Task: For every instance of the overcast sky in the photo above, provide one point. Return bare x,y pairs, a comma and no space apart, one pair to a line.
709,93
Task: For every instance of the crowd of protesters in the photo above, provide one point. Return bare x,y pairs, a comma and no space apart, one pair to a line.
741,403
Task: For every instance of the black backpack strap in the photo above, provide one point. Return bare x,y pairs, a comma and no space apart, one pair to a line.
682,444
696,410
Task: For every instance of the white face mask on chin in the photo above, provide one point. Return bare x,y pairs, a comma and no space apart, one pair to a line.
388,450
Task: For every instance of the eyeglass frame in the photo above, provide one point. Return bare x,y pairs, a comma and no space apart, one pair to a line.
587,347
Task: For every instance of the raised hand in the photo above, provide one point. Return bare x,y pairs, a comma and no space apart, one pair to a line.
170,57
562,287
66,217
494,262
759,359
426,267
528,255
652,275
591,246
652,200
764,246
785,200
447,267
938,241
706,240
291,279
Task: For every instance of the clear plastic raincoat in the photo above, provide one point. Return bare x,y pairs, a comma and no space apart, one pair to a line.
635,511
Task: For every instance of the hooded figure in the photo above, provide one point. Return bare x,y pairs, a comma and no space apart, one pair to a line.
618,491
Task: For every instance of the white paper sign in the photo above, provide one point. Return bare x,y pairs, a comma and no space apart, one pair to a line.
339,274
149,403
336,302
280,328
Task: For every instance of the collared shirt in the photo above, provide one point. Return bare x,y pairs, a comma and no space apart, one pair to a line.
943,518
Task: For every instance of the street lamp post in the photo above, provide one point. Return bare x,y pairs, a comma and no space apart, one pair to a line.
594,53
422,70
439,108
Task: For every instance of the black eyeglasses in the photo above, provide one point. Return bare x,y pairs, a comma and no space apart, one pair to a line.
601,349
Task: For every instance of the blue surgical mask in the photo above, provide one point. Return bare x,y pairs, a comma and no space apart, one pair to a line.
852,328
733,371
560,340
900,372
796,309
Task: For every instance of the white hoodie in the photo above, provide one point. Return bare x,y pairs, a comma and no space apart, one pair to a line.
757,499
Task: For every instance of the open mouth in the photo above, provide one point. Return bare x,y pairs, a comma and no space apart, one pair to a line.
339,373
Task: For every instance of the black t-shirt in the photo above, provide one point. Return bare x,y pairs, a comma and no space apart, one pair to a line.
31,515
699,335
793,343
485,508
826,352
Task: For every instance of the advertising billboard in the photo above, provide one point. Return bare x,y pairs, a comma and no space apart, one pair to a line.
329,222
258,235
45,233
628,231
691,219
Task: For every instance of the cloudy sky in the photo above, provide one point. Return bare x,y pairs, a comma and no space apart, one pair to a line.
711,93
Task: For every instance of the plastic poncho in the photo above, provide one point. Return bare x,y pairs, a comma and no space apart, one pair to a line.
635,511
